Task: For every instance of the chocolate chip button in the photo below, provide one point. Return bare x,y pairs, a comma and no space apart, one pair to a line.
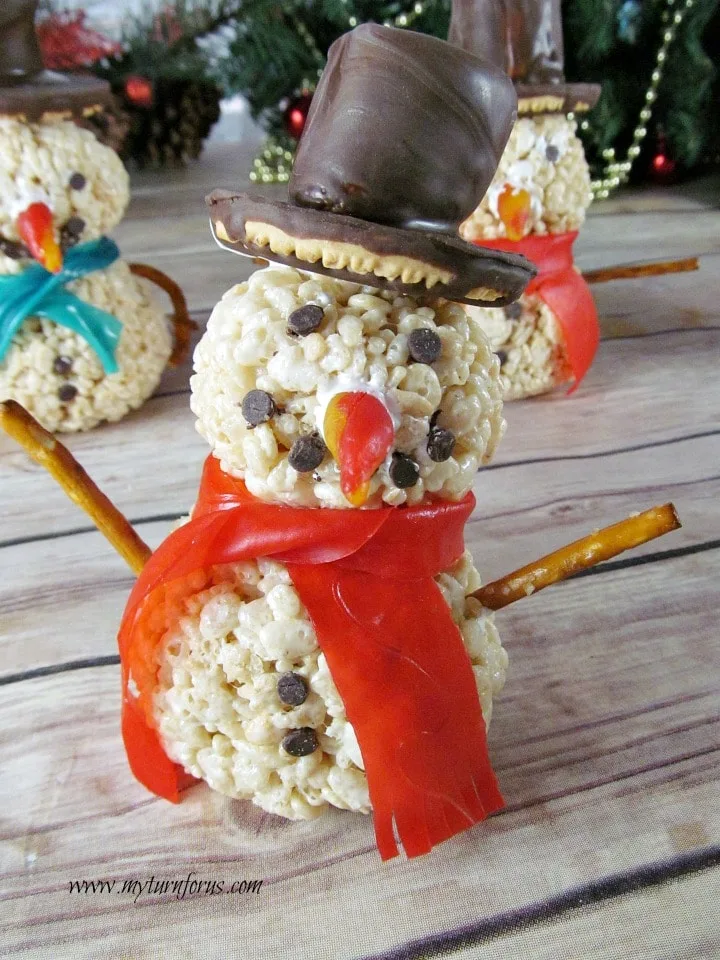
424,345
441,444
552,153
258,407
307,453
67,392
77,181
513,311
404,472
62,366
305,319
502,357
292,689
301,742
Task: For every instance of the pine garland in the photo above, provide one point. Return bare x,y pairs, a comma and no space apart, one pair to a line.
272,51
615,43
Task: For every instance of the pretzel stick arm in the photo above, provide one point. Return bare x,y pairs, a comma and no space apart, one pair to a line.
580,555
50,454
183,326
632,271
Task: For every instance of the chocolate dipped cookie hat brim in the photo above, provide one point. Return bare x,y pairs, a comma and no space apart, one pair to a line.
403,138
524,38
29,92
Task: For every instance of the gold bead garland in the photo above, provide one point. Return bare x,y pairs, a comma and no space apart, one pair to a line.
617,172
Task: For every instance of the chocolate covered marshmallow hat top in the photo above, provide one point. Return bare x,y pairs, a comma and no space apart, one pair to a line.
522,37
29,92
525,39
20,57
403,130
403,139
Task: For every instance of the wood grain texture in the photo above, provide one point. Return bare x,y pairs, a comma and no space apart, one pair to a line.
607,758
643,924
149,463
605,739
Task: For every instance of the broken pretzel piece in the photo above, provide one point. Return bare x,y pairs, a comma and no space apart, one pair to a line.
50,454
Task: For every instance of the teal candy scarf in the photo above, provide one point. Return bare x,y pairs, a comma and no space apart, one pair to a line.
38,293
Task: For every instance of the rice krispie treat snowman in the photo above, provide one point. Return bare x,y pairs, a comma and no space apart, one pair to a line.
537,200
81,339
315,634
307,639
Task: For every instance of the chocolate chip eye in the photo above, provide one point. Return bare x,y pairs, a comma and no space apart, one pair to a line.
305,319
258,407
77,181
552,153
424,345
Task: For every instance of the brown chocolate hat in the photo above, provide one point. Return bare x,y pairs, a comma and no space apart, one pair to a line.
29,92
525,39
402,140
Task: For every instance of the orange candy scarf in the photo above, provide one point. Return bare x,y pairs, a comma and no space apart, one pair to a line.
563,289
394,652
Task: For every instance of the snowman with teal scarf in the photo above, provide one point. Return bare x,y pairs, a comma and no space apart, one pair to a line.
82,339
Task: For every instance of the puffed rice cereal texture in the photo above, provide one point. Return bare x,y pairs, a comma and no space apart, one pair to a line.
38,162
218,712
56,375
529,342
545,157
49,369
362,343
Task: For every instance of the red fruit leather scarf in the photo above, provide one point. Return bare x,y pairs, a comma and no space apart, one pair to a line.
394,652
563,289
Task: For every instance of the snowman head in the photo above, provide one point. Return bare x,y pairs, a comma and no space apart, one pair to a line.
322,393
542,184
58,187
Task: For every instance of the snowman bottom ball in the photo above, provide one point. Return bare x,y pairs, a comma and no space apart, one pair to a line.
530,345
244,699
56,375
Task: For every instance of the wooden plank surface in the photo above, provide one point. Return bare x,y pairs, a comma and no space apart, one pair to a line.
605,739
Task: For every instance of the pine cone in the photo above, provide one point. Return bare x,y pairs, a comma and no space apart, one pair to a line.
110,125
172,129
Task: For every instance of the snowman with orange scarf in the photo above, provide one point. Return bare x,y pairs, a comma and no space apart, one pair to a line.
316,635
538,198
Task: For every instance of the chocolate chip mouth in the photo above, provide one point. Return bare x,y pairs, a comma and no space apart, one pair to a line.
70,235
14,249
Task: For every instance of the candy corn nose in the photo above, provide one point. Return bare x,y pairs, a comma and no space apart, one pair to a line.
359,433
514,211
35,226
